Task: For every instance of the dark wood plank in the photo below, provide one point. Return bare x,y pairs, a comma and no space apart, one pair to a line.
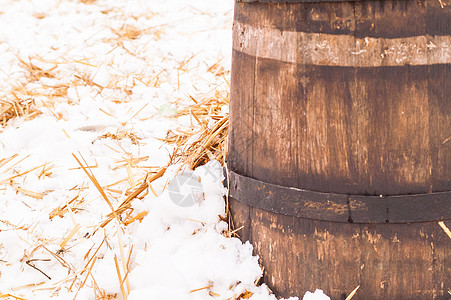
345,130
385,19
439,90
388,261
275,82
241,133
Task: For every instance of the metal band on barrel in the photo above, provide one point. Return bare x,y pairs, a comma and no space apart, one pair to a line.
339,207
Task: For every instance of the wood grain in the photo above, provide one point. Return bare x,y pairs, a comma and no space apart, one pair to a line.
348,98
406,261
330,123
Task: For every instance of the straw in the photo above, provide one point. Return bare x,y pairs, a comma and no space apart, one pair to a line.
445,228
70,236
200,289
202,143
10,295
352,293
124,295
126,203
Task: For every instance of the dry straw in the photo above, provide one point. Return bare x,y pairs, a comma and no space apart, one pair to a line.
445,228
17,107
352,294
207,138
204,140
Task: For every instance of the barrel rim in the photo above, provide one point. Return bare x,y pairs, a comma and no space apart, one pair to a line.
342,208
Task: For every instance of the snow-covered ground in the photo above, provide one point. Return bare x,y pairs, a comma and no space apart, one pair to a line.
104,80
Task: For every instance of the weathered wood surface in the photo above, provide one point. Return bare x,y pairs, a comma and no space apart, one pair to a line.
402,261
374,128
346,98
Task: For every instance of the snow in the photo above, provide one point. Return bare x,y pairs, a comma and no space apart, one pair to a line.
112,68
317,295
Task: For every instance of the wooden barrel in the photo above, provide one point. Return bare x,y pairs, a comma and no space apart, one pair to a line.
340,145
